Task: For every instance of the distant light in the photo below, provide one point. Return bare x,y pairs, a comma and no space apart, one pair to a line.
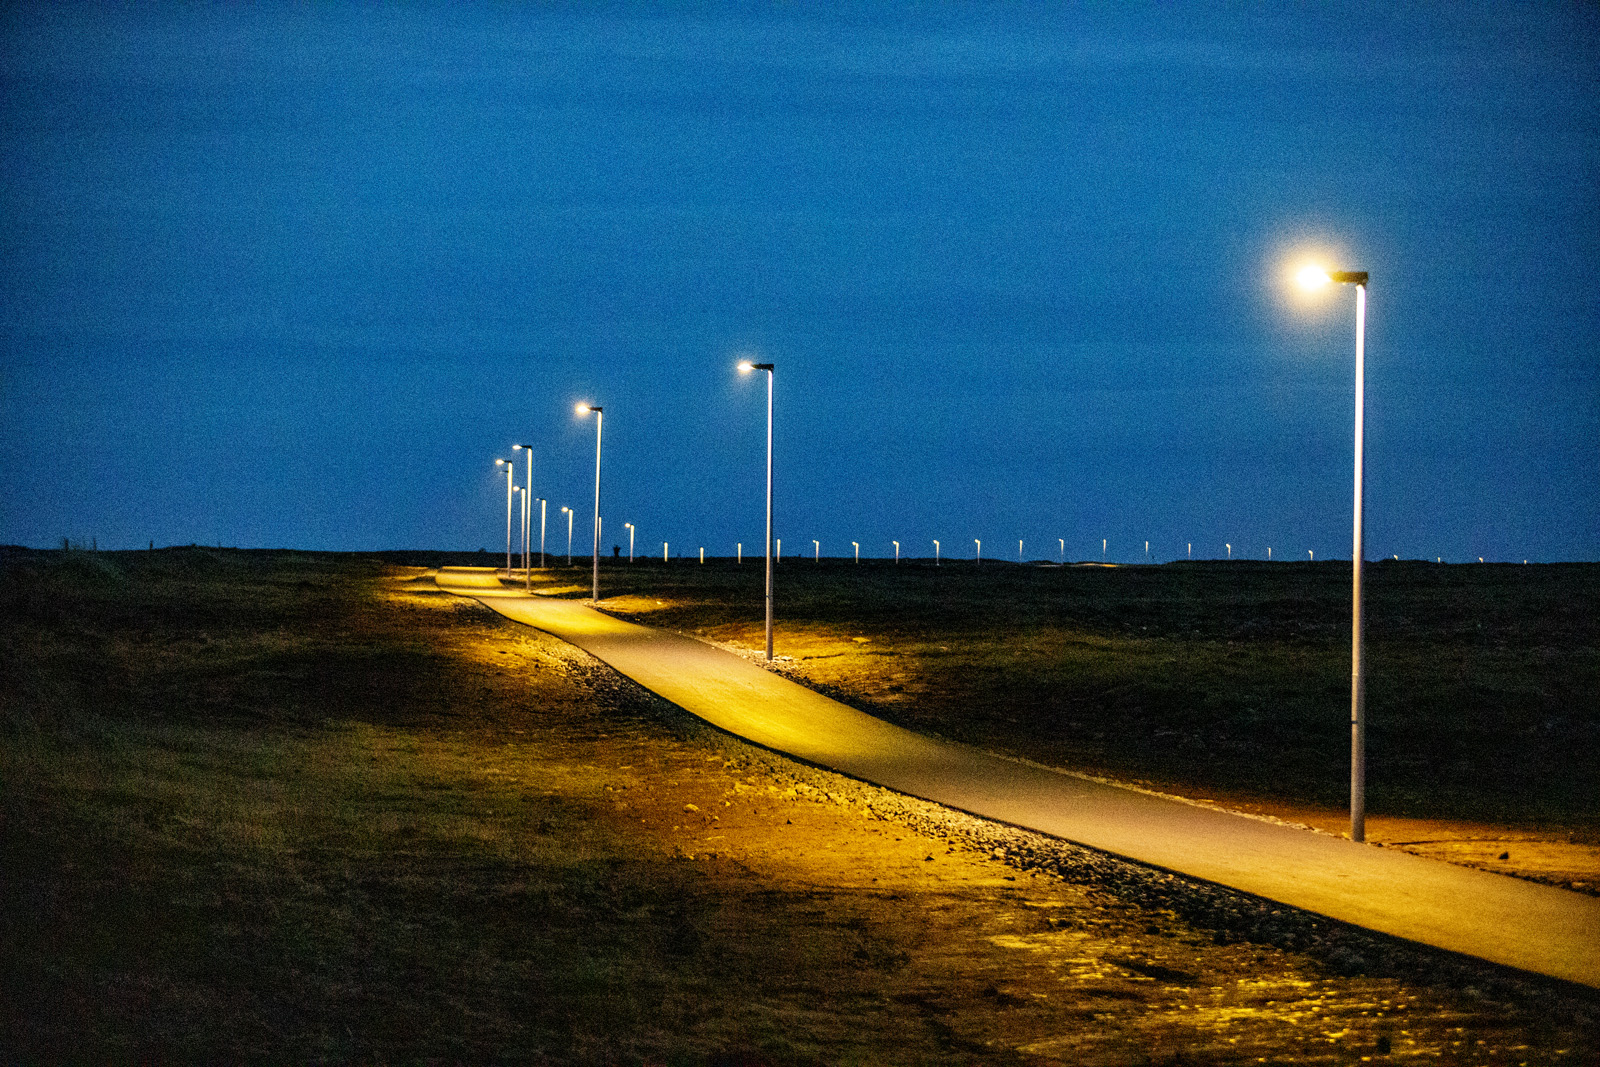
1313,277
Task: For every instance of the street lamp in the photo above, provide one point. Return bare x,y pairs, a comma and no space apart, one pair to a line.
1063,541
509,466
1313,277
1019,550
979,557
599,425
569,534
1230,550
936,553
745,367
897,552
816,551
527,517
542,503
629,525
521,493
857,545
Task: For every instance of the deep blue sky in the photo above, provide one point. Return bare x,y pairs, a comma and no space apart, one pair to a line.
290,276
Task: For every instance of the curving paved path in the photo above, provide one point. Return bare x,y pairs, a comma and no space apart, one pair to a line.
1521,924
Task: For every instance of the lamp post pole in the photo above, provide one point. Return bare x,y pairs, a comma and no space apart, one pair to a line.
897,552
979,557
527,518
508,466
542,503
599,425
521,493
816,551
857,545
746,367
1063,541
1313,277
936,553
629,525
569,533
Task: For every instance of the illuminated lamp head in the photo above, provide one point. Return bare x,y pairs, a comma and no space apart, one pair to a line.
1312,277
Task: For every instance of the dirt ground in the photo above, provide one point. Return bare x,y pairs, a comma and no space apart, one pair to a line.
468,842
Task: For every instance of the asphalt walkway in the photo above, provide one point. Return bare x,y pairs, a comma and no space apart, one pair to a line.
1520,924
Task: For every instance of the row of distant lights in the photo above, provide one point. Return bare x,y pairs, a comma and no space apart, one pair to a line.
584,408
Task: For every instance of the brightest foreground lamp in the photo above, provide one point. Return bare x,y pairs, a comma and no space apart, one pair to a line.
599,423
745,367
1315,278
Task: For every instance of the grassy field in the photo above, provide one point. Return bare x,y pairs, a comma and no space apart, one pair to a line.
279,807
1229,679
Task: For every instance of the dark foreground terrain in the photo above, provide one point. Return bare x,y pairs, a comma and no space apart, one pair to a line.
276,807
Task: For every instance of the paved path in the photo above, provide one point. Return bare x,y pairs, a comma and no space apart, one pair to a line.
1522,924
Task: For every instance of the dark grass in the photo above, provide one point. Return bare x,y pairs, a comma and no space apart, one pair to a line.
1483,682
244,818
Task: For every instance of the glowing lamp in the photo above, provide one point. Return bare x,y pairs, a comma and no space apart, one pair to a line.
1312,277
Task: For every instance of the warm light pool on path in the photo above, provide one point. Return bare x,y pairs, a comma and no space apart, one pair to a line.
1520,924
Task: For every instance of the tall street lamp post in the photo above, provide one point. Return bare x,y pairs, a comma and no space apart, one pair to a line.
509,466
897,551
542,503
936,553
521,493
527,518
979,557
857,545
1314,278
745,367
569,533
629,525
599,424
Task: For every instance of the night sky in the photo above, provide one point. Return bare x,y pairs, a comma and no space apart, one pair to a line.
295,276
